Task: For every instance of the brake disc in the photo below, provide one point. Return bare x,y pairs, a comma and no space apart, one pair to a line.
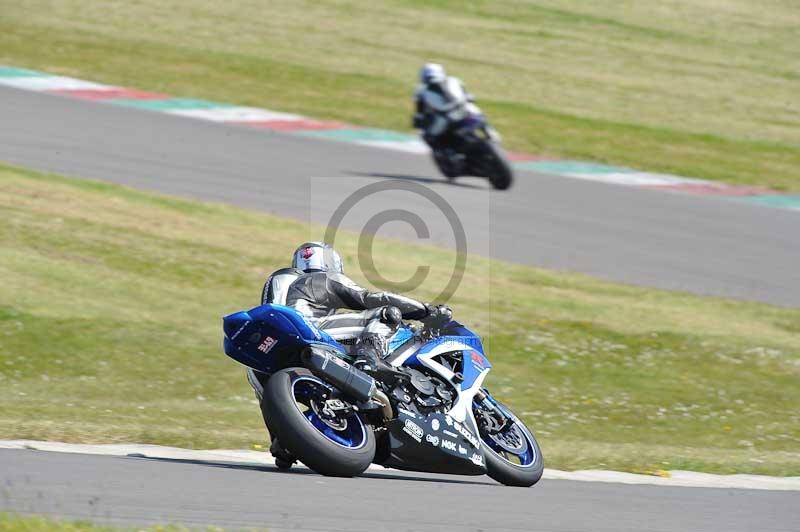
327,415
512,439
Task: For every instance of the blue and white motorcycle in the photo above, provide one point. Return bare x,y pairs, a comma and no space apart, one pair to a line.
469,145
432,415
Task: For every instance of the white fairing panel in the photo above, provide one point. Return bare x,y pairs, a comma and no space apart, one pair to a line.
462,408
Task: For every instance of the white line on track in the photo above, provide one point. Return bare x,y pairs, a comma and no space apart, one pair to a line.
637,179
675,479
235,114
52,83
409,146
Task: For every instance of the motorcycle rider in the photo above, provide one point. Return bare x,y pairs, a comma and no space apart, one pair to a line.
318,288
323,289
439,101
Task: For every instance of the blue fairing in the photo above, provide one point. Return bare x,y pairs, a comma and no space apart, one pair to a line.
474,364
261,336
475,361
456,329
402,335
265,336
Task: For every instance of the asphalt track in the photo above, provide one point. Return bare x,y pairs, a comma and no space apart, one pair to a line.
138,491
674,241
700,244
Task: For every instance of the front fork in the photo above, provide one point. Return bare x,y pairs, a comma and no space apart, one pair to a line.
498,420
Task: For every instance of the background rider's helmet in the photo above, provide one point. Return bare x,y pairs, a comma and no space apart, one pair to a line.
432,73
317,256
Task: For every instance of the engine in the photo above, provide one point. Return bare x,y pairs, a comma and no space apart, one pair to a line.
424,393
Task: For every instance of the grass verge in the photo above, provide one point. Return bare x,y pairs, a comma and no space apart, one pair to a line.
30,523
705,89
110,306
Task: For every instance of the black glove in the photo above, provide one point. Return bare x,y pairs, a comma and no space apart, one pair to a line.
438,315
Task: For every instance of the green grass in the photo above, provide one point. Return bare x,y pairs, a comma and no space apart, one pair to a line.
110,307
704,88
31,523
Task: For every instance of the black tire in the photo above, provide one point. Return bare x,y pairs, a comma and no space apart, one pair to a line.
512,474
443,167
303,440
500,174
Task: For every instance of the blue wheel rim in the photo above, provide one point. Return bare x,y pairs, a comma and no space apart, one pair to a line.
354,434
527,457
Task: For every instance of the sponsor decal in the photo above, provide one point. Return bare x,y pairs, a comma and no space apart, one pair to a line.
448,420
476,459
466,433
462,450
240,329
267,344
339,362
478,360
433,440
449,445
435,424
451,434
413,430
407,412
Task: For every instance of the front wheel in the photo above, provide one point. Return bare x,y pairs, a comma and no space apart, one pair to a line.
496,166
512,453
322,432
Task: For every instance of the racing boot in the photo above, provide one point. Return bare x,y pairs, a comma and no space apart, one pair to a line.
283,460
368,359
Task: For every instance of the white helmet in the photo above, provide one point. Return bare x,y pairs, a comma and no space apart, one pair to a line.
317,256
432,73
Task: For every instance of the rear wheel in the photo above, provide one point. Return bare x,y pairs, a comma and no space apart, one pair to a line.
322,432
512,453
